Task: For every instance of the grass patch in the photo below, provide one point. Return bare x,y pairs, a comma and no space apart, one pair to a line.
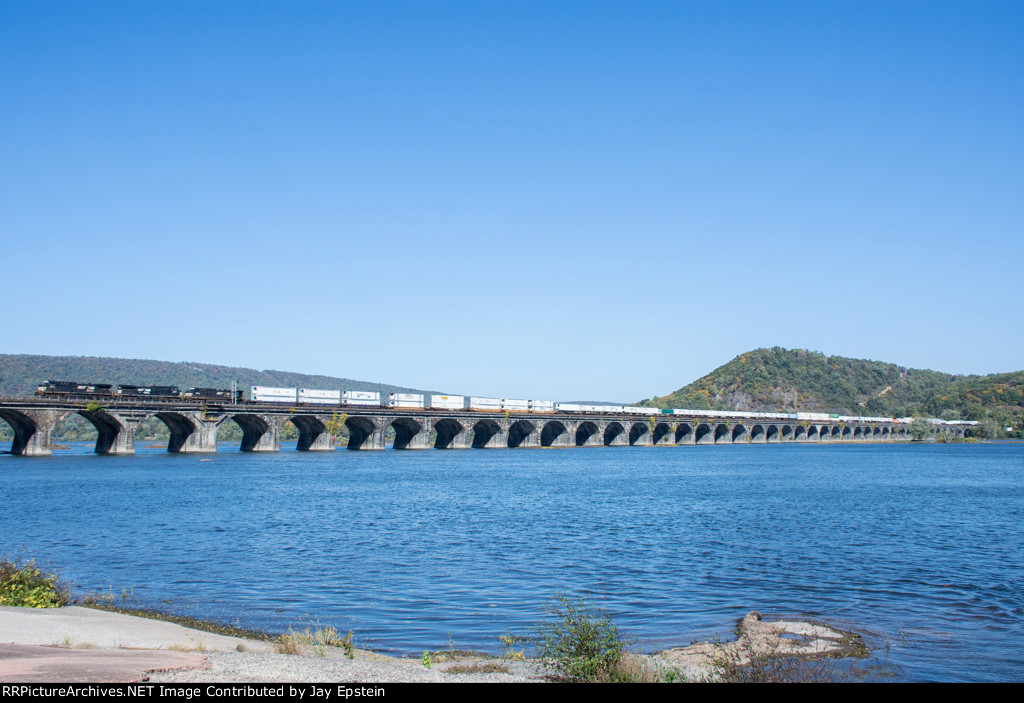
318,639
26,585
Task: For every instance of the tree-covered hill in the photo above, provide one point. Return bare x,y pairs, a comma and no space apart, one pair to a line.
20,374
788,380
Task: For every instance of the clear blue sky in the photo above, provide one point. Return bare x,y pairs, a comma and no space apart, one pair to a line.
566,200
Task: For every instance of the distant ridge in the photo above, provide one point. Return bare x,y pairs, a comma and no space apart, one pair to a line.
20,374
780,379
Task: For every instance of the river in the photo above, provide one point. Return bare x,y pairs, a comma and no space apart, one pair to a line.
918,547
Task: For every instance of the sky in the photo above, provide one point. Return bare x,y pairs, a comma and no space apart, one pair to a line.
553,200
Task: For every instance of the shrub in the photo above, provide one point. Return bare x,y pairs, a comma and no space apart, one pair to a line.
578,641
28,586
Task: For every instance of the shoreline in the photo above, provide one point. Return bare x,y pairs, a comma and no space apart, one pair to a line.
80,643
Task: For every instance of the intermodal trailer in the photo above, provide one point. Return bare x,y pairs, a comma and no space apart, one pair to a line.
311,396
267,394
542,406
515,405
360,398
476,403
447,402
405,400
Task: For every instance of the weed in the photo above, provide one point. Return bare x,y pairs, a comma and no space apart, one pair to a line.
426,658
509,642
318,639
287,643
578,641
26,585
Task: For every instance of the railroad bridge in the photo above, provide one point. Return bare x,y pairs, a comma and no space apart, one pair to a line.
193,428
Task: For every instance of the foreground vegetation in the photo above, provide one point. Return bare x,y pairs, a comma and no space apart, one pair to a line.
26,585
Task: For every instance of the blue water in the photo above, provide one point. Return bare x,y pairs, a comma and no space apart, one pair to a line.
919,547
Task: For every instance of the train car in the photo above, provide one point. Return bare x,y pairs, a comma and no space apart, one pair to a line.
476,403
75,388
515,405
406,400
128,391
635,410
217,395
568,407
542,406
447,402
360,398
309,396
268,394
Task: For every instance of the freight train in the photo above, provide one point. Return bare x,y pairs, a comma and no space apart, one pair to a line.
306,396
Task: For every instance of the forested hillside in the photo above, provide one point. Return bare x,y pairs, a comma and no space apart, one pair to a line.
787,380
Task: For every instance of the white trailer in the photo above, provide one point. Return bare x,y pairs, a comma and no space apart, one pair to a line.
542,406
405,400
447,402
484,403
266,394
518,405
309,396
360,398
568,407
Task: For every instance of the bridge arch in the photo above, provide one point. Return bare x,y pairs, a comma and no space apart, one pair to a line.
772,434
660,431
612,432
406,428
519,433
584,431
483,432
722,434
787,433
447,431
180,428
812,433
551,432
739,433
799,433
704,434
636,432
684,433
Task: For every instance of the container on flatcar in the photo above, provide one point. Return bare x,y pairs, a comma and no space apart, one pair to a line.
447,402
516,405
405,400
568,407
360,398
542,406
311,396
268,394
484,403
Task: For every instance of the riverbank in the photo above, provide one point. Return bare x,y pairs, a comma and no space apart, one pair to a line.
83,645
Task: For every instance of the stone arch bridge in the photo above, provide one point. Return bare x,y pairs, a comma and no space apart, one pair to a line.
194,428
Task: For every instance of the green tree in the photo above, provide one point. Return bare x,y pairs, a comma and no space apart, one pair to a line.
920,429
